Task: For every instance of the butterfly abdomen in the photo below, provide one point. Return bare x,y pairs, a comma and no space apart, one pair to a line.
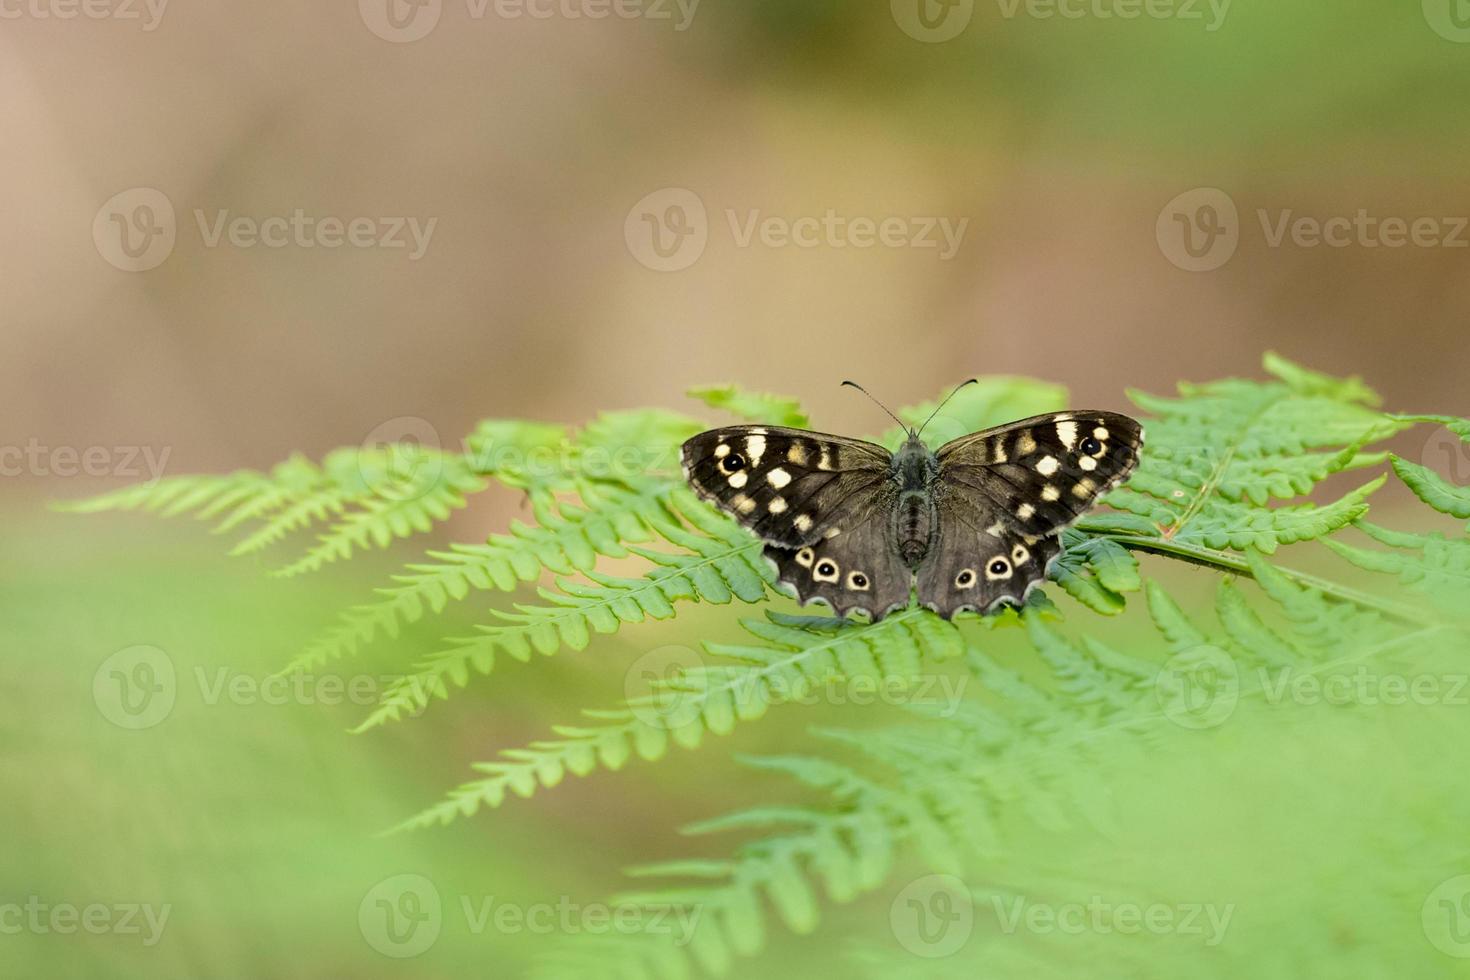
914,519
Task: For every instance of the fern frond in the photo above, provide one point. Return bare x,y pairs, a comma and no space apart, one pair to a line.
1433,489
1219,453
1043,747
1430,564
753,406
792,656
564,539
720,563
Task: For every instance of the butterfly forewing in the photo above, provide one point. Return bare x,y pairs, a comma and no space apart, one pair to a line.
791,487
1039,474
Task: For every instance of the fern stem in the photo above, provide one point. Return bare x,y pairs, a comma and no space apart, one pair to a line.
1211,558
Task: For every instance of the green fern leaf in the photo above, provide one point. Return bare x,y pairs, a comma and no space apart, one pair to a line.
753,406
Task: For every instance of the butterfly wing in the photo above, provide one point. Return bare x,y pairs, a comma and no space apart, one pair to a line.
978,568
857,570
790,486
1003,497
1043,473
820,502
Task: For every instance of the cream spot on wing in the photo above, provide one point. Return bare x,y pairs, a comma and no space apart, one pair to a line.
742,504
1067,432
1047,466
1100,433
777,505
1025,511
1050,493
796,454
738,478
722,450
1000,452
803,523
1087,463
805,557
1025,445
1020,555
758,431
825,462
755,448
857,581
964,578
831,532
1084,488
779,477
995,529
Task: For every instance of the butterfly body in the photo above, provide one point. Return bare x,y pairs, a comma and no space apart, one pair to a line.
915,470
970,527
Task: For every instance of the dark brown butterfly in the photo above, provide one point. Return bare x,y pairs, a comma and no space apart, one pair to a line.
971,527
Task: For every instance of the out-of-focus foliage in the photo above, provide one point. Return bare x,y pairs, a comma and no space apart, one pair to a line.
1229,480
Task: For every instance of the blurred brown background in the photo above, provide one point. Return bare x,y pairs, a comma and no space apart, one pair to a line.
529,141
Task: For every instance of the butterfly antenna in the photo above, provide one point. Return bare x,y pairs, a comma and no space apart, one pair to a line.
945,402
854,384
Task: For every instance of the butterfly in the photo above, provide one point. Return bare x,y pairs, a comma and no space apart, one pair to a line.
971,527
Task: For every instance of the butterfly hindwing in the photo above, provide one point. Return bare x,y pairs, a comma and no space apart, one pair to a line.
980,564
858,569
1039,474
789,486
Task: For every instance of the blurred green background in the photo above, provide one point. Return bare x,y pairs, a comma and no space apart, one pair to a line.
531,142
